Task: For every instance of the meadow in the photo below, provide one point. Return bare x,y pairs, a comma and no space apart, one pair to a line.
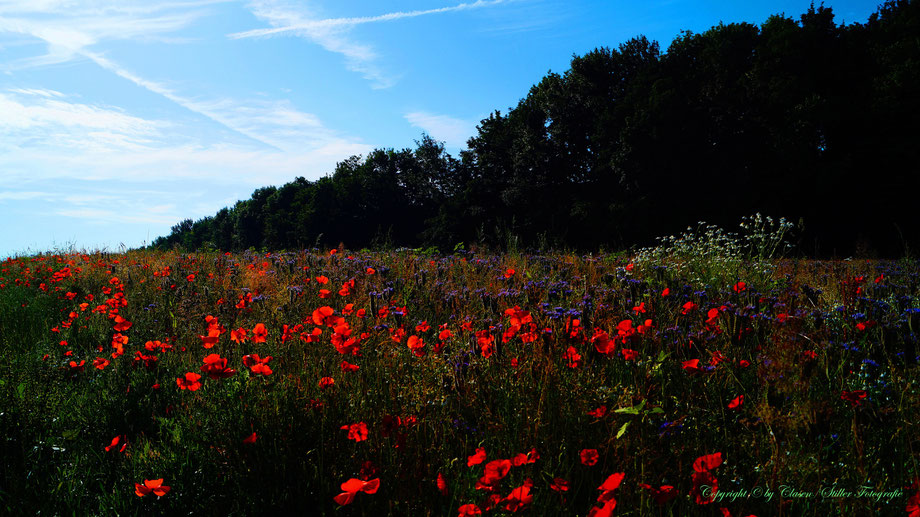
341,382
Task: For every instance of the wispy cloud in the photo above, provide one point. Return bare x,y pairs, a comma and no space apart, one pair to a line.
36,117
331,33
452,131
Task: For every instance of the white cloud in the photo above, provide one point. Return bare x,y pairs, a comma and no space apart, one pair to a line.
32,120
331,33
452,131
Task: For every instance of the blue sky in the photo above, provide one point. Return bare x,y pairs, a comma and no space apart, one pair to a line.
120,118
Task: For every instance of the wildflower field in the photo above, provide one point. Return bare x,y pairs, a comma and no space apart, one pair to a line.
338,382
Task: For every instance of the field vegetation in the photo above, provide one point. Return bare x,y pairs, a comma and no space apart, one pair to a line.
343,382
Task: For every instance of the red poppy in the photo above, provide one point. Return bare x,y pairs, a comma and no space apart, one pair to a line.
662,494
602,342
322,280
494,471
155,486
736,402
604,511
191,381
325,316
251,439
356,432
469,510
348,367
121,324
509,273
691,366
257,364
573,358
707,462
559,485
370,271
211,339
238,335
100,363
666,292
629,355
589,457
441,482
416,345
120,439
326,382
703,477
687,307
599,412
77,367
216,367
353,486
853,397
519,497
612,482
740,287
477,458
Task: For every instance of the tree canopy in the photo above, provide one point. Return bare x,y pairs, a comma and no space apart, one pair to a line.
801,118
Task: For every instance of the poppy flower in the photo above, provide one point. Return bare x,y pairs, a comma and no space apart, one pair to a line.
326,382
251,439
211,339
589,457
604,511
736,402
216,367
853,397
509,273
599,412
612,482
629,355
416,345
348,367
707,462
519,497
703,477
687,307
740,287
370,271
477,458
322,280
257,364
121,324
441,483
469,510
120,439
99,363
573,358
238,335
602,342
662,494
356,432
154,486
351,488
691,366
559,485
494,471
77,367
191,381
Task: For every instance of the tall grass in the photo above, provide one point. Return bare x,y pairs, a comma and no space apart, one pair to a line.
793,346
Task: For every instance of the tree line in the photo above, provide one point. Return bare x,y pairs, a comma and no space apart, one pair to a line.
803,118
